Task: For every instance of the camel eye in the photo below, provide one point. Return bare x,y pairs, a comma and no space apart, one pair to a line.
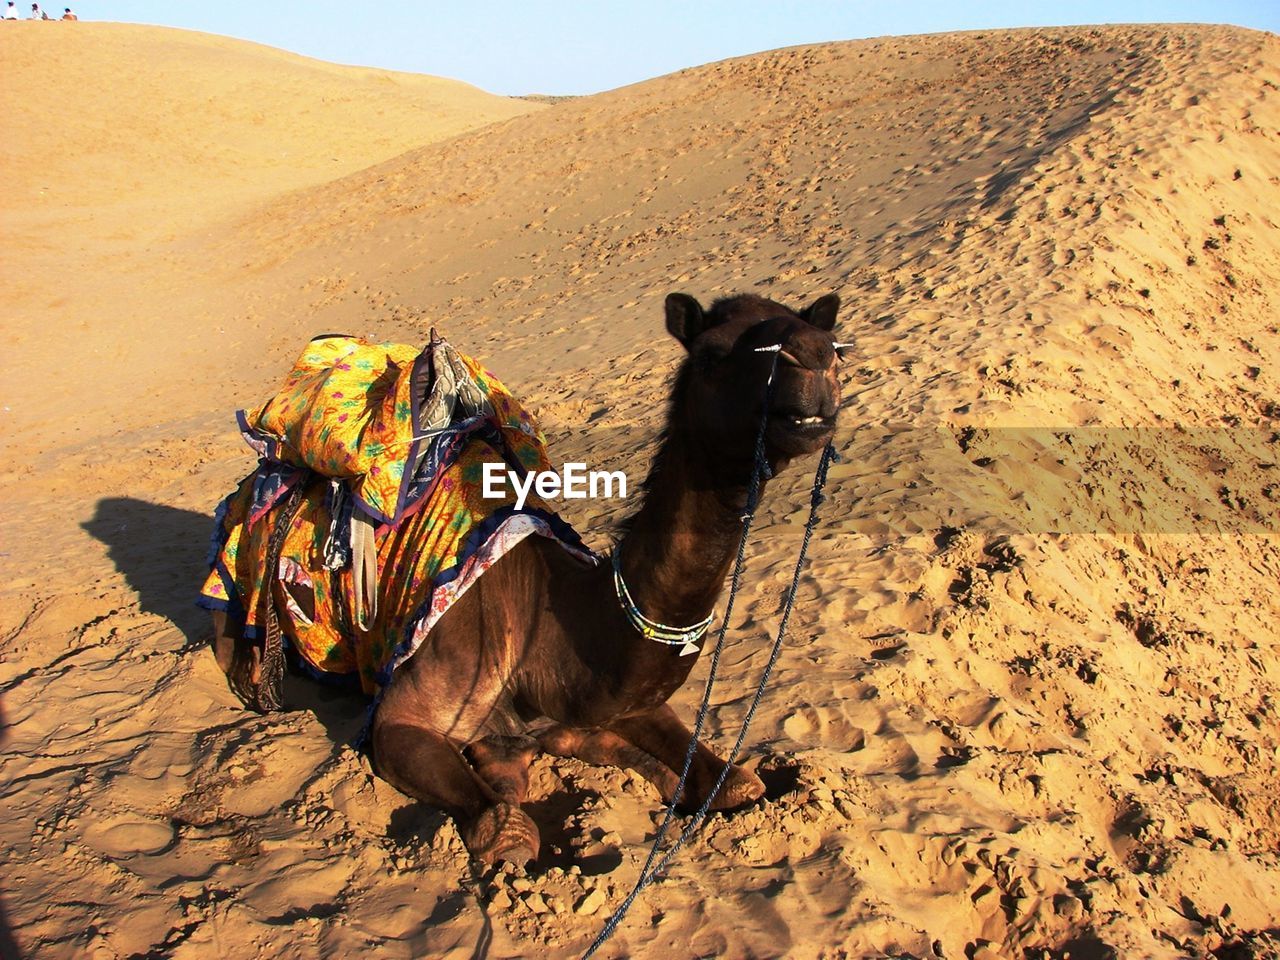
710,356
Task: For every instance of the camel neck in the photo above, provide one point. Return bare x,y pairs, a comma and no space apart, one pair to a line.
682,541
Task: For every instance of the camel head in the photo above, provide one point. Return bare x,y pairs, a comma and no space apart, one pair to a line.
720,393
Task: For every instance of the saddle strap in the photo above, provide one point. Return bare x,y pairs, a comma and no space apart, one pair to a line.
269,695
364,571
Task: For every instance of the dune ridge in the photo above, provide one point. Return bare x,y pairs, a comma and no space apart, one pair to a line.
124,146
1028,703
108,111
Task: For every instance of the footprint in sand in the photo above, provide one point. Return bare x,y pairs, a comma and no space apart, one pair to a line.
889,753
812,726
120,838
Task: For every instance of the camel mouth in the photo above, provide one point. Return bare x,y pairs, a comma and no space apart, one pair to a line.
803,426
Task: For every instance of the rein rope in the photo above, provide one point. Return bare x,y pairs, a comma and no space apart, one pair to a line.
760,472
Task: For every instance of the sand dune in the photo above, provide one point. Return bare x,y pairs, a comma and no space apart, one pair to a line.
101,113
1028,704
122,145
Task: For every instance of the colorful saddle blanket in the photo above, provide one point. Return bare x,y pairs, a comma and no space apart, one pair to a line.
385,445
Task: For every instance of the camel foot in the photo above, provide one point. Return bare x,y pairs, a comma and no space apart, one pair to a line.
741,787
502,832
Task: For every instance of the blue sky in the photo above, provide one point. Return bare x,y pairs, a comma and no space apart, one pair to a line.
576,46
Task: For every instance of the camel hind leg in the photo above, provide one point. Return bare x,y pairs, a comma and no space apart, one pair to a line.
430,767
239,658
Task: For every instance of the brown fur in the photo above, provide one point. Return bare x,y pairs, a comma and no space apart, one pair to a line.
540,648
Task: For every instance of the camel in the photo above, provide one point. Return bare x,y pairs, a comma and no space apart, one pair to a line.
540,653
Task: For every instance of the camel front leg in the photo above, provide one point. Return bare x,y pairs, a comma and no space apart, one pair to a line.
662,735
607,749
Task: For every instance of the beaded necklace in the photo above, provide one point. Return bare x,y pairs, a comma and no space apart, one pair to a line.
684,637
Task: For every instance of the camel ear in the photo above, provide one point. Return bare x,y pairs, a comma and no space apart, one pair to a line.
685,317
822,312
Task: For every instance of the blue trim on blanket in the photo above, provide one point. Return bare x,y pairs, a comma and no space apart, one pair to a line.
218,539
213,559
212,603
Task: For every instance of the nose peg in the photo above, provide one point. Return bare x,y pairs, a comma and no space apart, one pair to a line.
791,360
782,354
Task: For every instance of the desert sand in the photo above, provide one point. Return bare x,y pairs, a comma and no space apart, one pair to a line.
1028,706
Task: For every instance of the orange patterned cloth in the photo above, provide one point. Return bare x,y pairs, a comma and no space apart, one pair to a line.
361,411
364,421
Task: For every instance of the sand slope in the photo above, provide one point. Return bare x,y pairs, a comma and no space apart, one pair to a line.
121,142
104,112
1028,703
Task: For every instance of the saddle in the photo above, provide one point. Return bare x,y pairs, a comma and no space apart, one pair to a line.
364,519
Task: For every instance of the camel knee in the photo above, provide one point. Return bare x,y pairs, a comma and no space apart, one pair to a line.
503,763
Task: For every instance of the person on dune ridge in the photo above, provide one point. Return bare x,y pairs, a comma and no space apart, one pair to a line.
68,15
11,12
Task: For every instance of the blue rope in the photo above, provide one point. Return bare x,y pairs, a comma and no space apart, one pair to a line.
760,471
820,478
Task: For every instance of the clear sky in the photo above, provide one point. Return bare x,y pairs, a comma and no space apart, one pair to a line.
585,46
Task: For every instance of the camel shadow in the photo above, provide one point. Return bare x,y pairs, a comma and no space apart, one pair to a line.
8,945
161,552
340,708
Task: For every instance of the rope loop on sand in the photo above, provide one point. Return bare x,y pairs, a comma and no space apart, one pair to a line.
760,471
